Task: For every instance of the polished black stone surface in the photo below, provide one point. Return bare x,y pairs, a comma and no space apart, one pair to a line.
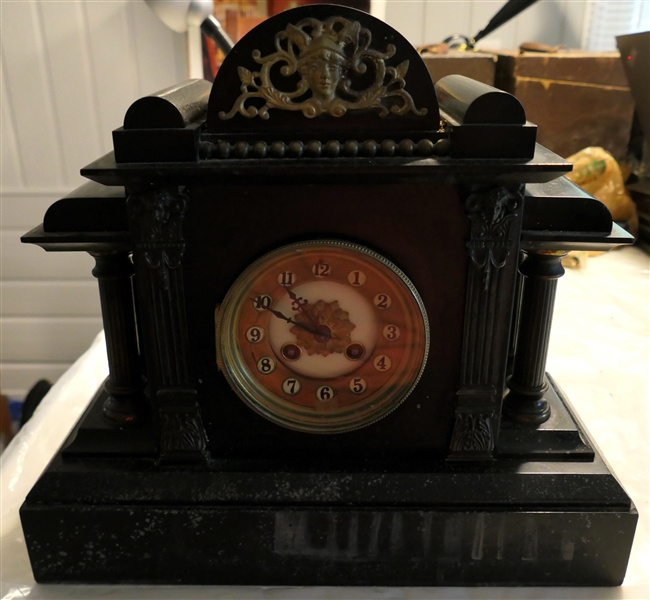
558,518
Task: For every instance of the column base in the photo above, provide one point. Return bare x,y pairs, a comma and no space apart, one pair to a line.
526,406
95,435
125,409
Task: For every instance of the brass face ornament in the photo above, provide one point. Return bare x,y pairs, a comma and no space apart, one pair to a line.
327,55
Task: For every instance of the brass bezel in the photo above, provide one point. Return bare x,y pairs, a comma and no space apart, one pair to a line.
274,408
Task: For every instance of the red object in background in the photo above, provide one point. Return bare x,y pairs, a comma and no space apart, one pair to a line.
239,22
212,58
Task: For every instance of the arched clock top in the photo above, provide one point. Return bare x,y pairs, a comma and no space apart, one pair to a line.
323,67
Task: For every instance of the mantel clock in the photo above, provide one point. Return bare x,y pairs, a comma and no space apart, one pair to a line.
327,287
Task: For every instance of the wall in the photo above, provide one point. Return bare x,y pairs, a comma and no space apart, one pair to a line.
550,22
69,72
70,69
605,20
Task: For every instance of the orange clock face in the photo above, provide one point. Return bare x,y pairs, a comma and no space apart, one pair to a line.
322,337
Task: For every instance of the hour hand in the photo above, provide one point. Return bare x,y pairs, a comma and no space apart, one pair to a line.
298,304
318,330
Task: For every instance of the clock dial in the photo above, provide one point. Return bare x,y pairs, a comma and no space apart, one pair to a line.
322,336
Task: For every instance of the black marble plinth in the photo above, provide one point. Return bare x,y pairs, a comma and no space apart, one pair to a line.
544,517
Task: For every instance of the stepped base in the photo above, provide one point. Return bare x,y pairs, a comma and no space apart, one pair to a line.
531,521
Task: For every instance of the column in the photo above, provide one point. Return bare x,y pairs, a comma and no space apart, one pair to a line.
126,403
524,402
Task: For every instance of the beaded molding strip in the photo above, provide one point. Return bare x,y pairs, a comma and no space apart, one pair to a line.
223,149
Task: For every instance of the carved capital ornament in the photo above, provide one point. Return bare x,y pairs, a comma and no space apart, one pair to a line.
491,216
159,215
473,433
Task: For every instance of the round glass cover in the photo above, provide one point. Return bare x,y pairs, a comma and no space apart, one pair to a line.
322,336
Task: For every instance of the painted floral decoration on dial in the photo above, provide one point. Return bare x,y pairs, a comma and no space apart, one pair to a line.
322,328
323,336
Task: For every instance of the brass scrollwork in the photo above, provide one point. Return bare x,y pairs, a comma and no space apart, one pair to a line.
328,56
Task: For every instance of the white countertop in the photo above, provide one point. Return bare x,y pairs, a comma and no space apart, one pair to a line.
599,355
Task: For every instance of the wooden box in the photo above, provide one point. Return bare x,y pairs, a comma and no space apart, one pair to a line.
576,99
479,66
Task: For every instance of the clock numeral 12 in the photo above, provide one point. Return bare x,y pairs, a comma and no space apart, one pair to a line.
321,269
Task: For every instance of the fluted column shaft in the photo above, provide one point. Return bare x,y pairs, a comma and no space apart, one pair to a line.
125,404
524,402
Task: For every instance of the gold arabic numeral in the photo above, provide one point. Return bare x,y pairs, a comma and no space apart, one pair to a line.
321,269
391,332
382,301
266,365
382,363
358,385
254,335
356,278
262,302
325,393
291,386
287,278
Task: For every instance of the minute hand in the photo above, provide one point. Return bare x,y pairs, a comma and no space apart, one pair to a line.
279,315
310,329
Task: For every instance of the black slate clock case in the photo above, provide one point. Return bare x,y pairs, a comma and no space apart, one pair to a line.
367,214
483,475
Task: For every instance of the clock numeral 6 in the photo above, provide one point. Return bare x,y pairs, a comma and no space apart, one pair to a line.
382,363
254,334
325,392
358,385
291,386
287,278
262,302
321,269
266,365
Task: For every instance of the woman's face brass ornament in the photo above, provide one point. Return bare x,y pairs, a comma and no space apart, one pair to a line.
328,56
322,71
